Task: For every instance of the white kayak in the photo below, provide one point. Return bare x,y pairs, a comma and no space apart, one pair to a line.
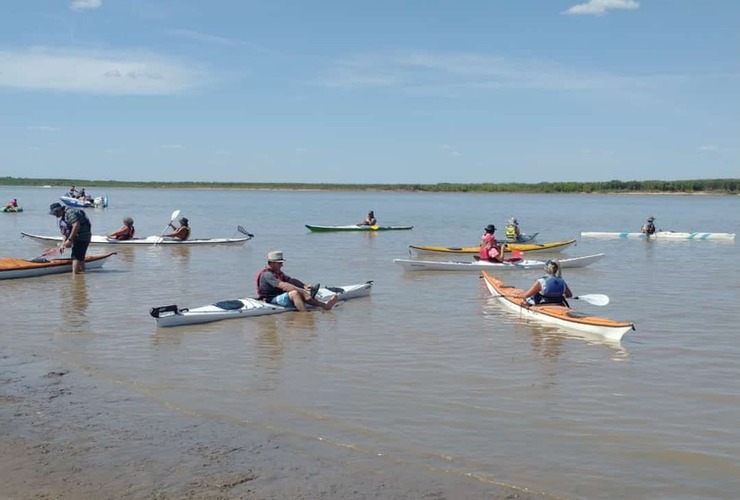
149,240
661,235
246,307
478,265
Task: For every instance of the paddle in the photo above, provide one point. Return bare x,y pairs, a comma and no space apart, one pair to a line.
597,299
244,231
174,216
48,252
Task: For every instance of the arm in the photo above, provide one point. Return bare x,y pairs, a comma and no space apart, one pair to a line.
67,243
533,290
567,293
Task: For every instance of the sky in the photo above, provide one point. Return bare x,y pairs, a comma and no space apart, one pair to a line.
381,91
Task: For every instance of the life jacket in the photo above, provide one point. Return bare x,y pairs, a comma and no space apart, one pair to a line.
648,228
553,287
267,293
128,235
511,230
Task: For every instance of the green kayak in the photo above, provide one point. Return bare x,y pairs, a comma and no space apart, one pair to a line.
355,227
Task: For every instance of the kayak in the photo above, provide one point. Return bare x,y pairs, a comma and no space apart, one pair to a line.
551,247
556,314
482,265
523,238
355,227
662,235
149,240
97,202
11,210
11,268
246,307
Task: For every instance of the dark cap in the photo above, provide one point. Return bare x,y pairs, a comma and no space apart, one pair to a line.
54,208
490,228
184,220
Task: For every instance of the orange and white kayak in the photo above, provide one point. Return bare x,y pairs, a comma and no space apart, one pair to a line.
11,268
556,314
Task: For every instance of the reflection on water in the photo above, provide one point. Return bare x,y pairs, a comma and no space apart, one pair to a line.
75,304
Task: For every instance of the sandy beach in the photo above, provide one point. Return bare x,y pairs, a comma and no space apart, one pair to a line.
69,435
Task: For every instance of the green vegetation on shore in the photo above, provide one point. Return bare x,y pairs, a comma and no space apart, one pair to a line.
711,186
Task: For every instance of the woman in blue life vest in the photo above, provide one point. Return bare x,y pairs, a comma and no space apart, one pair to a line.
549,289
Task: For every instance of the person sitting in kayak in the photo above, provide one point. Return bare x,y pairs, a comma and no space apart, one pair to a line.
513,233
648,227
549,289
370,220
181,233
489,249
277,288
12,205
126,232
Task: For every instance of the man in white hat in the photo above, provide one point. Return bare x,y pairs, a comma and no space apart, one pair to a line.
275,287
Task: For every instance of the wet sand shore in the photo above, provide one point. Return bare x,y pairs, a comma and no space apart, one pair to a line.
67,435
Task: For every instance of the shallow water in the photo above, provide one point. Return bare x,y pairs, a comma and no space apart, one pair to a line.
428,371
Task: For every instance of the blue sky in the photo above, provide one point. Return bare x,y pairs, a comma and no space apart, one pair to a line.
382,91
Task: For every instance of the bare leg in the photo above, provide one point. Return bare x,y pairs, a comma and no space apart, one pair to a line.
326,306
78,267
298,300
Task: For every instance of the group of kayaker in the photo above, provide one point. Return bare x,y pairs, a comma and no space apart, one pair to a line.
76,230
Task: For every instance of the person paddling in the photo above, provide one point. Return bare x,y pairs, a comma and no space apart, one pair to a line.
489,249
549,289
648,227
181,233
126,232
369,220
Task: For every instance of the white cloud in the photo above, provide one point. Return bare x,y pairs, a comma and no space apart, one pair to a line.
43,128
98,72
708,148
459,72
600,7
85,4
204,37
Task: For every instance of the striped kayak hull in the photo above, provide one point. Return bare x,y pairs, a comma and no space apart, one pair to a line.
661,235
167,316
149,240
551,247
355,227
558,315
11,268
428,265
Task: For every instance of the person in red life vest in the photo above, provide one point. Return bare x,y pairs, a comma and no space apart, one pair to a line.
275,287
126,232
181,233
489,249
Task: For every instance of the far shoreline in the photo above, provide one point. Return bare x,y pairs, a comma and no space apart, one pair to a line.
697,187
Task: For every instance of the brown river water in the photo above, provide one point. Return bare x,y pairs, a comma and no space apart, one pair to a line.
428,373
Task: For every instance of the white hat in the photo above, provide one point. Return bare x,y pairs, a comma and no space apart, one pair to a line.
275,256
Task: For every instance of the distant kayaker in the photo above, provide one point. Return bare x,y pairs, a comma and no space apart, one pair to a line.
277,288
489,249
12,205
182,232
369,220
648,227
80,233
549,289
513,233
126,232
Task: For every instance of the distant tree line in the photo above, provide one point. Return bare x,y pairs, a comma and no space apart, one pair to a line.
713,186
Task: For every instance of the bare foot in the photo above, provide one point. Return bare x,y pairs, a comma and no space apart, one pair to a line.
330,303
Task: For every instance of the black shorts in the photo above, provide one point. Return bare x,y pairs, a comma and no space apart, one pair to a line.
79,249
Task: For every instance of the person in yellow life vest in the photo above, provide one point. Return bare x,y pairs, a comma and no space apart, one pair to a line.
513,233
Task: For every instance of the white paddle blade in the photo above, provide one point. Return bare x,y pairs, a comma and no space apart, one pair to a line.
596,299
175,214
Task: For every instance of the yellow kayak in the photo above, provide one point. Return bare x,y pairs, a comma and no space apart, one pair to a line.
551,247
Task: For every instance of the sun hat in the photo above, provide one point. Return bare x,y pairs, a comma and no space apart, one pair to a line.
183,220
513,221
275,256
54,207
128,220
490,228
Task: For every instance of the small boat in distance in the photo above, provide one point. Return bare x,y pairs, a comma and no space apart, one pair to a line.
97,202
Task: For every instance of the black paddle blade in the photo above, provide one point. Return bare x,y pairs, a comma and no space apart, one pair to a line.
244,231
157,311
